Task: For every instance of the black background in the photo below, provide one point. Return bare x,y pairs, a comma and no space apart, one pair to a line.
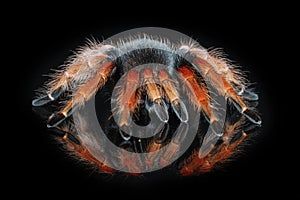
46,39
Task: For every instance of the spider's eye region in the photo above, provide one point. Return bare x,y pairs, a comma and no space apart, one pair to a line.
139,104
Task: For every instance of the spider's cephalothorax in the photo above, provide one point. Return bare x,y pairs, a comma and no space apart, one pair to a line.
161,79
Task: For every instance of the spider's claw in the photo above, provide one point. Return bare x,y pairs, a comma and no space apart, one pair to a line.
180,110
44,99
58,117
55,119
215,125
161,110
40,101
252,116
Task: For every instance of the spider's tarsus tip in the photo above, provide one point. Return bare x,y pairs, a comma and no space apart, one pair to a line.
180,110
55,119
252,116
40,101
161,111
46,98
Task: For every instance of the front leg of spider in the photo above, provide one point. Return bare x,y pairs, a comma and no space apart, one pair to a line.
84,93
169,87
155,98
199,96
221,81
127,102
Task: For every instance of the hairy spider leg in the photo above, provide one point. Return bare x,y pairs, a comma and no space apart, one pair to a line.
66,79
155,96
232,137
232,75
58,85
173,148
171,94
84,93
127,102
153,146
74,143
219,65
199,96
156,143
222,152
196,163
220,82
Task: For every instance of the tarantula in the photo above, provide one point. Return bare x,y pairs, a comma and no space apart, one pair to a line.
172,77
